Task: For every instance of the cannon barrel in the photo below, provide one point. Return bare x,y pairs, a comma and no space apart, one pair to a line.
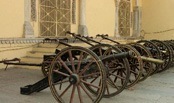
153,60
117,56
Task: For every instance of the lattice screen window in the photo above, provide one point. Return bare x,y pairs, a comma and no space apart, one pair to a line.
54,17
33,10
124,18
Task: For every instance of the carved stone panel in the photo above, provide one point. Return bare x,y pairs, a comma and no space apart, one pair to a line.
33,10
124,15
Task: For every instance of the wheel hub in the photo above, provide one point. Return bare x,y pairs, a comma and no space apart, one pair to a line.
74,79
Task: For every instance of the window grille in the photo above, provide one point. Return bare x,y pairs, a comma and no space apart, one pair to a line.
54,17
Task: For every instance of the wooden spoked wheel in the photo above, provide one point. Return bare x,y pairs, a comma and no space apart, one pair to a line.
155,53
147,66
117,69
46,65
136,64
71,70
171,45
166,54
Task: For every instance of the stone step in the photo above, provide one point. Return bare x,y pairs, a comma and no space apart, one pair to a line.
28,59
38,54
27,67
43,50
50,45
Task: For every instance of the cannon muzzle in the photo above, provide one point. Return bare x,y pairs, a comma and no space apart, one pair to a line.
153,60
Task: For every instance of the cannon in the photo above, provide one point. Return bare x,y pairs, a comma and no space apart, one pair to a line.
159,50
81,73
118,71
147,65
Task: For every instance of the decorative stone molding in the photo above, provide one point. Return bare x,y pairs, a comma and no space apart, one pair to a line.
29,31
82,25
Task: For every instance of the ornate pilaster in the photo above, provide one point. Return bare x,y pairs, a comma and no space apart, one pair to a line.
74,11
33,10
137,19
28,29
82,25
117,18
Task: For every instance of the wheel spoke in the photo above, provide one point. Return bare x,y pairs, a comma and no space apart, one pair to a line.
94,79
79,93
135,73
79,62
72,62
89,75
64,74
108,52
90,84
117,76
65,90
111,81
85,68
107,88
72,94
86,92
61,82
100,51
65,66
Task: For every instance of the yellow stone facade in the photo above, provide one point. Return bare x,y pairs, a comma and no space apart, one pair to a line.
157,15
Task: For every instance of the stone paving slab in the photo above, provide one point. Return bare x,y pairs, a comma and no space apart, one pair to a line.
158,88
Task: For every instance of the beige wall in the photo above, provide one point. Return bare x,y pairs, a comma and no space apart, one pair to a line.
100,16
11,18
158,15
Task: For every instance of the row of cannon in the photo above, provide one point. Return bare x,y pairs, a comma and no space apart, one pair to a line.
77,74
104,70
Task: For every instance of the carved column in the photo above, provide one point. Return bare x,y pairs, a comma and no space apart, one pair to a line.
137,19
82,25
74,11
117,18
28,29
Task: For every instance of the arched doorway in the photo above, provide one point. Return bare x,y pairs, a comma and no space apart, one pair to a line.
54,17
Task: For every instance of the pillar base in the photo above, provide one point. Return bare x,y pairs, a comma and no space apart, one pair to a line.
137,21
83,30
28,30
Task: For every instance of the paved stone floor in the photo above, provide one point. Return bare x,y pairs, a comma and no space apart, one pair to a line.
158,88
